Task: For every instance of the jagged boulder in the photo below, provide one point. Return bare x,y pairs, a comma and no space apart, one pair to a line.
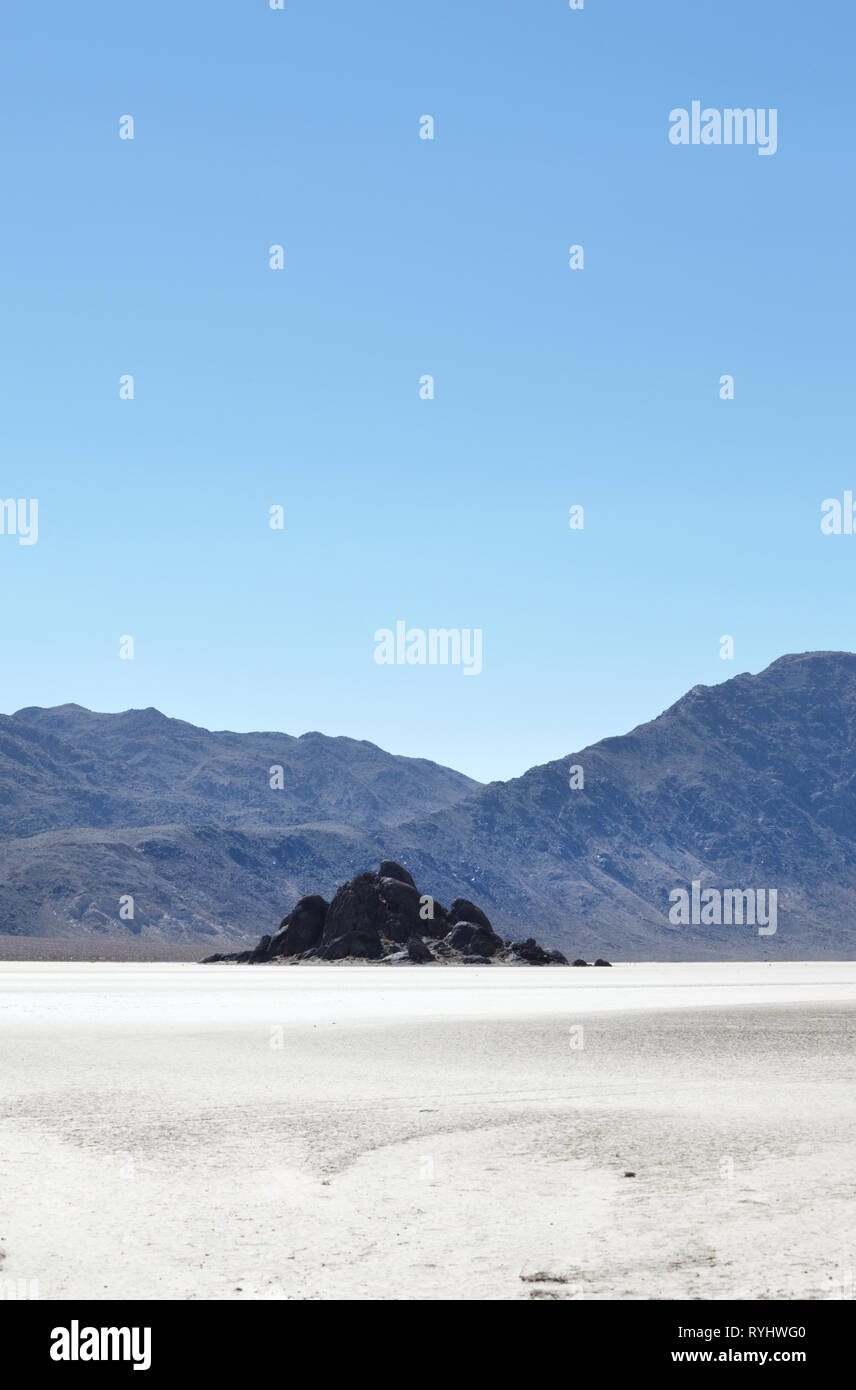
433,917
418,952
402,900
462,910
362,942
354,920
474,938
389,869
533,954
235,957
302,928
411,913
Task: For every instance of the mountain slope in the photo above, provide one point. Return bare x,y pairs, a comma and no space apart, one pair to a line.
95,808
751,783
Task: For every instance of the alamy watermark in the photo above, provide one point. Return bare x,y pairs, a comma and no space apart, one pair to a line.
14,1289
838,517
438,646
714,907
757,126
19,516
76,1343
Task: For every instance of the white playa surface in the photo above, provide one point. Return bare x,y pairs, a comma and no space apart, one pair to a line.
226,1132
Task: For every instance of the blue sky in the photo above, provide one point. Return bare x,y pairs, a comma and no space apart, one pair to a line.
554,387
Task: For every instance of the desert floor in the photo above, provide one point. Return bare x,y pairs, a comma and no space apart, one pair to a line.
228,1132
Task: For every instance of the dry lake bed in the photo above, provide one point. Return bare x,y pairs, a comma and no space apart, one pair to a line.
228,1132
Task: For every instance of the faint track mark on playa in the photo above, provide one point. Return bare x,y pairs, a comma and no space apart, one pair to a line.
555,1286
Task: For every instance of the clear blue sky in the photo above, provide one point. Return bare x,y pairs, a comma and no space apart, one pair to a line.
256,387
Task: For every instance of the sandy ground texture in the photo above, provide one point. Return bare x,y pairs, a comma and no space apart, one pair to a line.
228,1132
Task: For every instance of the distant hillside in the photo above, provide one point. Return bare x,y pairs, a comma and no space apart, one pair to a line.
94,807
747,784
68,767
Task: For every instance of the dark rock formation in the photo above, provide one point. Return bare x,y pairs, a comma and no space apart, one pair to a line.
579,961
462,910
389,869
475,939
603,962
532,953
362,943
433,917
402,900
384,917
354,921
302,928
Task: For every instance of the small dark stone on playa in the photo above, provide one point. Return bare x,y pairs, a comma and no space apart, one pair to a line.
579,961
603,962
630,1175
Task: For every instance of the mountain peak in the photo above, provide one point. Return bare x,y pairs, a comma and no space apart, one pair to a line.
31,710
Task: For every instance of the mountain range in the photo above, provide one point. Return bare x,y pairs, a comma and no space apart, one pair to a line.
748,784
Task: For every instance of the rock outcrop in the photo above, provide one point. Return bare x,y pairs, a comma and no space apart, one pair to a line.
302,928
383,917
